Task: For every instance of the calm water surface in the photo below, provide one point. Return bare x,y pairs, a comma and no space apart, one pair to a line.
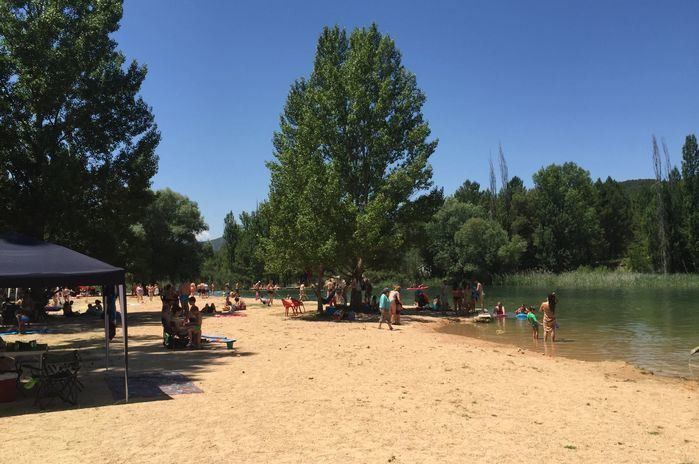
653,329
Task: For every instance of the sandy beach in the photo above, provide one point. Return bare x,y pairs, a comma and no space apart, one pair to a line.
307,391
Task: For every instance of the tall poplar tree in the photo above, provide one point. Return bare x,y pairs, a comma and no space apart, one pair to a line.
690,175
351,159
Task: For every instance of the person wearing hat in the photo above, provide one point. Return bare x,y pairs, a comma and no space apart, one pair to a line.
385,309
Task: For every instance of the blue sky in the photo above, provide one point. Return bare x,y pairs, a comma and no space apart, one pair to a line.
553,81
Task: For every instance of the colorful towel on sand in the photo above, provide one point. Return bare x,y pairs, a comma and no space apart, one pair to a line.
26,332
231,315
153,385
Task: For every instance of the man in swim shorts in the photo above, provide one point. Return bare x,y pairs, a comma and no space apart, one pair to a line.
184,297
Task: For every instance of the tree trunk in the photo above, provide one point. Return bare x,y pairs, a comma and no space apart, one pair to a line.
356,295
319,289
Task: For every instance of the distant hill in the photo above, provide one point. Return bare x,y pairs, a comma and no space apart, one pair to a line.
216,243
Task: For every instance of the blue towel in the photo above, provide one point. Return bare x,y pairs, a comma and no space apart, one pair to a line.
31,331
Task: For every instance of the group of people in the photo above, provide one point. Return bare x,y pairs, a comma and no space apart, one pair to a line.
466,296
548,308
270,289
182,321
152,290
390,306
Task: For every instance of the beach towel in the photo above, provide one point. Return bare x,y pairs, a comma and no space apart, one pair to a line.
153,385
26,332
230,315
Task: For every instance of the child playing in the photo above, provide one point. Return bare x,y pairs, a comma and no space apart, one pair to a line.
194,324
531,318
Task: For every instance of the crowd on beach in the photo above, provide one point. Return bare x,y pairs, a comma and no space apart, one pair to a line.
29,305
181,316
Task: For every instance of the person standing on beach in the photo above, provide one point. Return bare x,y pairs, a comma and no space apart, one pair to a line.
368,288
184,297
457,294
385,309
396,304
302,291
481,294
548,307
444,296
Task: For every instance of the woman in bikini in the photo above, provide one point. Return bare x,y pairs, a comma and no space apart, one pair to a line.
548,307
396,304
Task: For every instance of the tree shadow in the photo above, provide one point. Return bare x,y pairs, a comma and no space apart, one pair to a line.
147,355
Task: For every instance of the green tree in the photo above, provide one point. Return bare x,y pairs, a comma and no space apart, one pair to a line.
679,255
445,253
351,157
470,192
254,227
231,235
615,219
690,176
568,232
77,142
483,246
168,248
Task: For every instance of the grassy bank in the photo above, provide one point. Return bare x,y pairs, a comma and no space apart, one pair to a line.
599,279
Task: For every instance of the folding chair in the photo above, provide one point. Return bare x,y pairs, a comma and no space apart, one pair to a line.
56,376
298,305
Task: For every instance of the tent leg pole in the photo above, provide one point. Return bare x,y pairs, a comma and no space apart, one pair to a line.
106,327
125,334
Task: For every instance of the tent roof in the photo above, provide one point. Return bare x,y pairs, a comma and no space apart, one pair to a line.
26,262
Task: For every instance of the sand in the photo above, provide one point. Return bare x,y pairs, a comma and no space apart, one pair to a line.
307,391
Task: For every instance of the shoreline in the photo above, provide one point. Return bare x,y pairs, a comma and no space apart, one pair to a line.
619,364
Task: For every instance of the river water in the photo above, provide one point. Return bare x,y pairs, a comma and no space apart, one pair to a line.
652,329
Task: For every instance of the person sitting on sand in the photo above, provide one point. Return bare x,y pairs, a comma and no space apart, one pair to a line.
239,304
548,307
170,323
437,303
22,319
228,305
68,310
208,309
194,324
92,310
531,318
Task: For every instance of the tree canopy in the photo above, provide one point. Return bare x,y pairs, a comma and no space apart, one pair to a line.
77,142
351,157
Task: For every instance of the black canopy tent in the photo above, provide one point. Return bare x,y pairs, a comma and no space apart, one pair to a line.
26,262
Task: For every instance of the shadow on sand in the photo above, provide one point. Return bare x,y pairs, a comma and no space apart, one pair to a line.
147,355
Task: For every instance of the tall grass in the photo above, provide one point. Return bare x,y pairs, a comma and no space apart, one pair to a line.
585,278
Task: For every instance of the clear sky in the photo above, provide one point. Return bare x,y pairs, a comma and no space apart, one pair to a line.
552,80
